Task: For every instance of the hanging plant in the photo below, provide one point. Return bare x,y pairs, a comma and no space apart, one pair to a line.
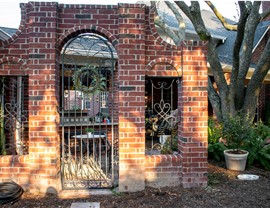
97,81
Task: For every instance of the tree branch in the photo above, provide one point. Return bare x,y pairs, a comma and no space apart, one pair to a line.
246,50
265,14
255,84
220,17
236,100
180,19
161,23
214,100
194,14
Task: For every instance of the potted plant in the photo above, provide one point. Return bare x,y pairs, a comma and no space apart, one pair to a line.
89,131
235,131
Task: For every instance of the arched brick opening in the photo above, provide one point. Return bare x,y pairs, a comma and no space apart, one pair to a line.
21,70
176,70
74,32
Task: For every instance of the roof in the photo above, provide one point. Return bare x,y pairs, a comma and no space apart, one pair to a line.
214,26
6,33
211,22
225,50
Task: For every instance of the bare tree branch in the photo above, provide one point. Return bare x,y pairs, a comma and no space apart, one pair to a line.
246,50
181,23
265,14
236,57
194,14
255,84
220,17
233,96
161,23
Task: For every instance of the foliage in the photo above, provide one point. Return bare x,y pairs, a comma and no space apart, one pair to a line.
240,133
259,151
170,146
215,148
262,130
263,157
236,131
215,151
214,131
89,129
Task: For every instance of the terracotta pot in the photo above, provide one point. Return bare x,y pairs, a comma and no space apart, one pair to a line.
235,161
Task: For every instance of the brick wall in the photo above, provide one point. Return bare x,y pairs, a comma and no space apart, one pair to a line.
193,107
15,168
162,170
131,54
45,28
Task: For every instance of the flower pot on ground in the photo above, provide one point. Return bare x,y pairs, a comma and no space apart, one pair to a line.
235,132
235,161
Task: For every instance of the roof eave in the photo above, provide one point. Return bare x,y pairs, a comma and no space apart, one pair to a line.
228,69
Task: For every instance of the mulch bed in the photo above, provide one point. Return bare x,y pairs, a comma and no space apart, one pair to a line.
224,190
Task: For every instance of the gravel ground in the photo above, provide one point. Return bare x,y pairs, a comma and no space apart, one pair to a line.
224,190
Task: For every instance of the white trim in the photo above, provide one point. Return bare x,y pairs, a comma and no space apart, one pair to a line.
260,39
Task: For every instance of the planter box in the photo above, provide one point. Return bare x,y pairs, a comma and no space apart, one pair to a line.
235,161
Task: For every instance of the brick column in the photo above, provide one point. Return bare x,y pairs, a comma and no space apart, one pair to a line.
44,157
131,53
194,116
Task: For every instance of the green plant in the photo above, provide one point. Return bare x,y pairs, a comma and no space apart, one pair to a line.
259,151
264,157
236,131
262,130
89,129
215,151
170,145
215,148
214,131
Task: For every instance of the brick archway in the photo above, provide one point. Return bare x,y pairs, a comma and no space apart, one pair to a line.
21,70
175,72
130,28
73,32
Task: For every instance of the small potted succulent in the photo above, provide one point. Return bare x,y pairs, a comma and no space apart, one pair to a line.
235,132
89,131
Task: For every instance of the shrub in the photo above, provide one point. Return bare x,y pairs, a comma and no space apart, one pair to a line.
214,131
240,133
215,151
264,157
215,148
259,151
236,131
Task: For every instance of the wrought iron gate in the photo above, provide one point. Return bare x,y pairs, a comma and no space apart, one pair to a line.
88,119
